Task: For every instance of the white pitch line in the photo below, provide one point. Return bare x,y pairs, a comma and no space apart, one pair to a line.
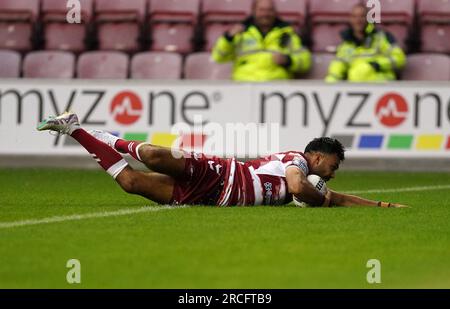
120,212
128,211
410,189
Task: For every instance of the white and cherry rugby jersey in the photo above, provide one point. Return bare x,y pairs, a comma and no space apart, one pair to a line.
261,181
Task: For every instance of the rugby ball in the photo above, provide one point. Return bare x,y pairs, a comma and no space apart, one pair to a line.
318,183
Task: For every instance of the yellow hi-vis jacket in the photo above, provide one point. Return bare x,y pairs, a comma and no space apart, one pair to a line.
252,52
377,58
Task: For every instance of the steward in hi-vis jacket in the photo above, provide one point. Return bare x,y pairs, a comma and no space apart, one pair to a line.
366,54
263,47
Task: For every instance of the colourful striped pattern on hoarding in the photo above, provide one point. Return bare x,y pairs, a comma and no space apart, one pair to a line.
193,141
136,136
400,141
163,139
371,141
426,142
429,142
346,140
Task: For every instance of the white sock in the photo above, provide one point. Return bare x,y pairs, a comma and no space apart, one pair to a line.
73,128
115,169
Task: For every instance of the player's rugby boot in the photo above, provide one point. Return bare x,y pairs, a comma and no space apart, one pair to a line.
65,123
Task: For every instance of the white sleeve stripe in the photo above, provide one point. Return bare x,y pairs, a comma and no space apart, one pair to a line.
300,163
293,165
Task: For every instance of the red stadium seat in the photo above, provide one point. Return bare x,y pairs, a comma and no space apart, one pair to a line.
331,11
327,37
63,36
435,38
56,10
319,69
156,65
19,10
292,11
212,33
397,18
10,64
17,19
394,11
174,11
120,10
432,67
201,66
49,64
172,37
119,23
400,32
103,65
119,36
225,11
60,35
434,11
434,18
17,36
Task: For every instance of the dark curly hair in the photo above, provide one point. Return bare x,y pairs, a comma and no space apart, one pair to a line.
326,145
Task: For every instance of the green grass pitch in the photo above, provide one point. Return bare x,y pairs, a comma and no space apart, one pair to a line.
212,247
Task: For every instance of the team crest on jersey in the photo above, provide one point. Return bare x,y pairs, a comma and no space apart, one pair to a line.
268,195
268,186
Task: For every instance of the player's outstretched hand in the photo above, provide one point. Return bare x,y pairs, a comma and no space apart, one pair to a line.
392,205
395,205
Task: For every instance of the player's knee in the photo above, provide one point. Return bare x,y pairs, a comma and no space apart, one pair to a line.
128,182
154,155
